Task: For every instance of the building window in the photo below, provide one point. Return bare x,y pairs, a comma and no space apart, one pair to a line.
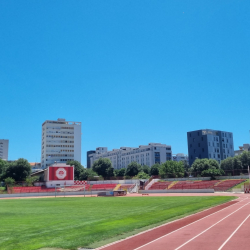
202,138
157,157
193,139
198,134
190,145
203,150
218,144
194,150
190,135
199,144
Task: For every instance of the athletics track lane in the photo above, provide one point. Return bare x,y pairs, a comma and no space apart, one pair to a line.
138,240
212,232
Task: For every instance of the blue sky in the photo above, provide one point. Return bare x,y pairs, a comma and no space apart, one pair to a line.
132,72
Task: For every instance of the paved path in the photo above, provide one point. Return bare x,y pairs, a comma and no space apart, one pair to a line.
224,227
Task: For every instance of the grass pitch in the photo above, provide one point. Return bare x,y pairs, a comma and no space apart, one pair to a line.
69,223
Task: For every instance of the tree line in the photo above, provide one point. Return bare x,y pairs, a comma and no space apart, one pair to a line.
20,170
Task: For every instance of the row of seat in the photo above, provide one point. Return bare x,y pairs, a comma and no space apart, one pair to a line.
217,185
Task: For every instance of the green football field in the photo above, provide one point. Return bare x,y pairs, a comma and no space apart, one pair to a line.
81,222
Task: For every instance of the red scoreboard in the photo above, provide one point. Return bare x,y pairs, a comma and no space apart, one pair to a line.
61,173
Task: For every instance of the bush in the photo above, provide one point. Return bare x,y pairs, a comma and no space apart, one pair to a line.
142,175
9,182
30,180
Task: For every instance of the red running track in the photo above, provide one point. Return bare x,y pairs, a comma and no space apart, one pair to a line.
224,227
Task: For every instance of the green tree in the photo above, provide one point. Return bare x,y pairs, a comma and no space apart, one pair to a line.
172,169
207,168
30,180
141,175
18,170
103,167
78,168
245,159
212,172
132,169
3,167
227,164
9,182
154,170
146,169
121,172
86,174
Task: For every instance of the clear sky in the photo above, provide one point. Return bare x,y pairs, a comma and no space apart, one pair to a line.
132,72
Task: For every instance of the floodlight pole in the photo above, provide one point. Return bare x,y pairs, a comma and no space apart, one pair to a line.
84,190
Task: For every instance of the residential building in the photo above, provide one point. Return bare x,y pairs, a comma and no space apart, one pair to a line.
61,142
180,157
211,144
145,155
35,166
90,152
245,147
4,149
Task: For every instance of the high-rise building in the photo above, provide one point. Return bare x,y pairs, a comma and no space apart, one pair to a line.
4,149
61,142
211,144
145,155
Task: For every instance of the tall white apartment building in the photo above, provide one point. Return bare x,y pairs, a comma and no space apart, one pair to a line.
4,149
61,141
145,155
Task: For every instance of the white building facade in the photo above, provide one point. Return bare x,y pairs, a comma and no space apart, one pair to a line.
245,147
61,142
4,149
180,157
148,155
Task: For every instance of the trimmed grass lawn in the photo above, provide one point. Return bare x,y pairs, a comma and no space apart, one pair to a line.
79,222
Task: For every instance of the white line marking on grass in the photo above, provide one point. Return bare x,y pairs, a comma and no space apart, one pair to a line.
186,225
233,233
211,227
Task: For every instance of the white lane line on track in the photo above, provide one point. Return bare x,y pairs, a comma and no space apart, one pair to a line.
184,226
210,227
233,233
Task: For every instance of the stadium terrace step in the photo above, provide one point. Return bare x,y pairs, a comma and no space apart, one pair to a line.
172,184
117,187
219,182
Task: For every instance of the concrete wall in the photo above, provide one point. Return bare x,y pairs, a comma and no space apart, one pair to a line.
232,177
189,179
177,191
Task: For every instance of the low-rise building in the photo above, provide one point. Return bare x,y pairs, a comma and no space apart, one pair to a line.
245,147
180,157
145,155
35,166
